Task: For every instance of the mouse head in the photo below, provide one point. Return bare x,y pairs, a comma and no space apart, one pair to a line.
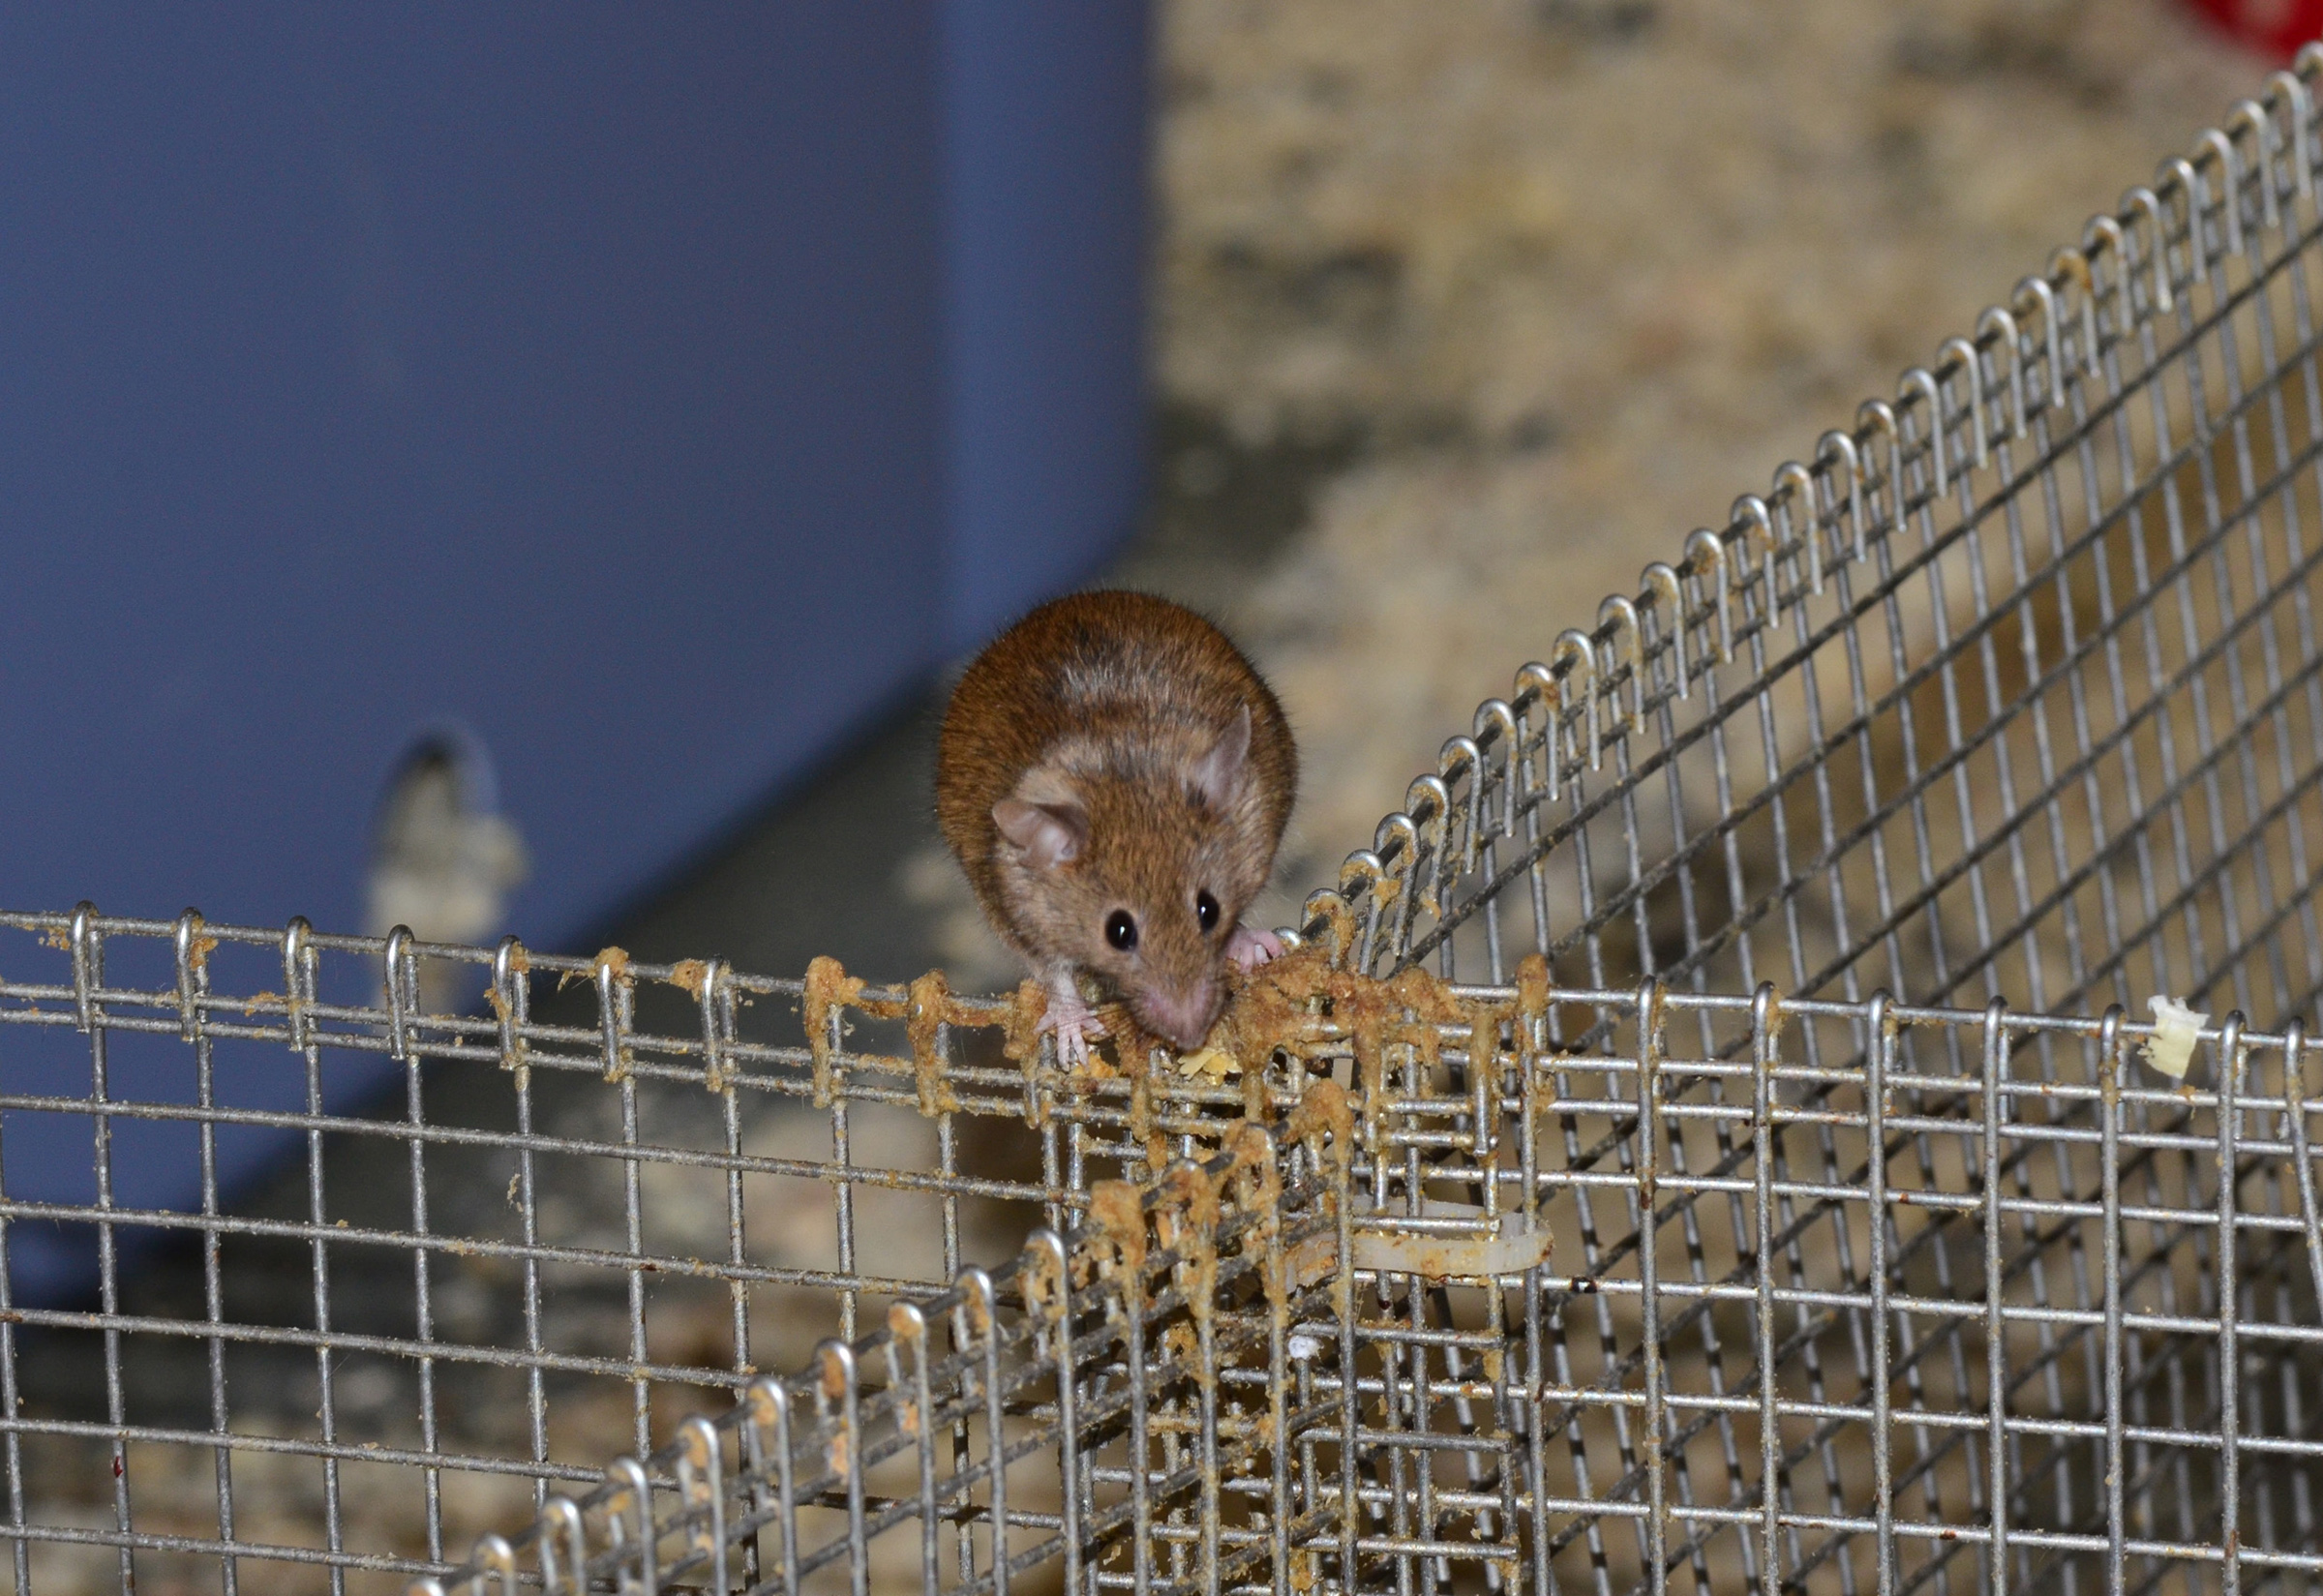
1139,874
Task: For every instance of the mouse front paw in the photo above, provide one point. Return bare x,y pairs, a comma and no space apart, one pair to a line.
1074,1025
1072,1044
1250,948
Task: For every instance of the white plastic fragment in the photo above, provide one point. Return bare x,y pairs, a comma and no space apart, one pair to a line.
2171,1047
1303,1347
1511,1247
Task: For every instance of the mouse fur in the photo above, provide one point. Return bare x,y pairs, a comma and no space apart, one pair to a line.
1114,753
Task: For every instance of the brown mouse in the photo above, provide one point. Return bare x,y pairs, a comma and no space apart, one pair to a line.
1115,778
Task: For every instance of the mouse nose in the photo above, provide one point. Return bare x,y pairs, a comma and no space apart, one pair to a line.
1182,1016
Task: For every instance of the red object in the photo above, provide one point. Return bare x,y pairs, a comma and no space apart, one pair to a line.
2276,27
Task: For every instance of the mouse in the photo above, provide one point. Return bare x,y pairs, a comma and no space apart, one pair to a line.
1115,776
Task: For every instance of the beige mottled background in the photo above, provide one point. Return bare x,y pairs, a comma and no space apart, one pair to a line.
1515,292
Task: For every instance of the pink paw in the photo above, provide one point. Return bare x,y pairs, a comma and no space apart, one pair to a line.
1076,1028
1250,948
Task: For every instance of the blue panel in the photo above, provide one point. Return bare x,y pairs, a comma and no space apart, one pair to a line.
1046,194
649,393
571,372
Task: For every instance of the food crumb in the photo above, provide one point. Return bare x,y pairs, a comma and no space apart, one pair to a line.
1213,1062
2171,1047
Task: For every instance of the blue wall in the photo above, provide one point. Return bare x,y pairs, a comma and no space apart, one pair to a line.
654,391
1045,191
652,394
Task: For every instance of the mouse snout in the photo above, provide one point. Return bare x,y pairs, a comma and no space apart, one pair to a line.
1182,1015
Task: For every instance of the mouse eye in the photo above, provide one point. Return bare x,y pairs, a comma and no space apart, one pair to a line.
1205,911
1121,930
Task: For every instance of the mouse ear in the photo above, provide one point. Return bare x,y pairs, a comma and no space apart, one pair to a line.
1050,834
1218,774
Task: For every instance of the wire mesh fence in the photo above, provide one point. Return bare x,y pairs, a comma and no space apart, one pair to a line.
1573,1210
1998,1351
2012,692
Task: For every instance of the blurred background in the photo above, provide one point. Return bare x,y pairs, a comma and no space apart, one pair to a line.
1461,315
462,464
535,469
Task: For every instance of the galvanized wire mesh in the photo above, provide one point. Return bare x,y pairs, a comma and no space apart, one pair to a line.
2013,693
580,1219
1971,1307
1592,1219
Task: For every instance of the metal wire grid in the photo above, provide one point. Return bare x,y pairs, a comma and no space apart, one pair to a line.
2019,699
586,1216
2037,1340
2012,692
